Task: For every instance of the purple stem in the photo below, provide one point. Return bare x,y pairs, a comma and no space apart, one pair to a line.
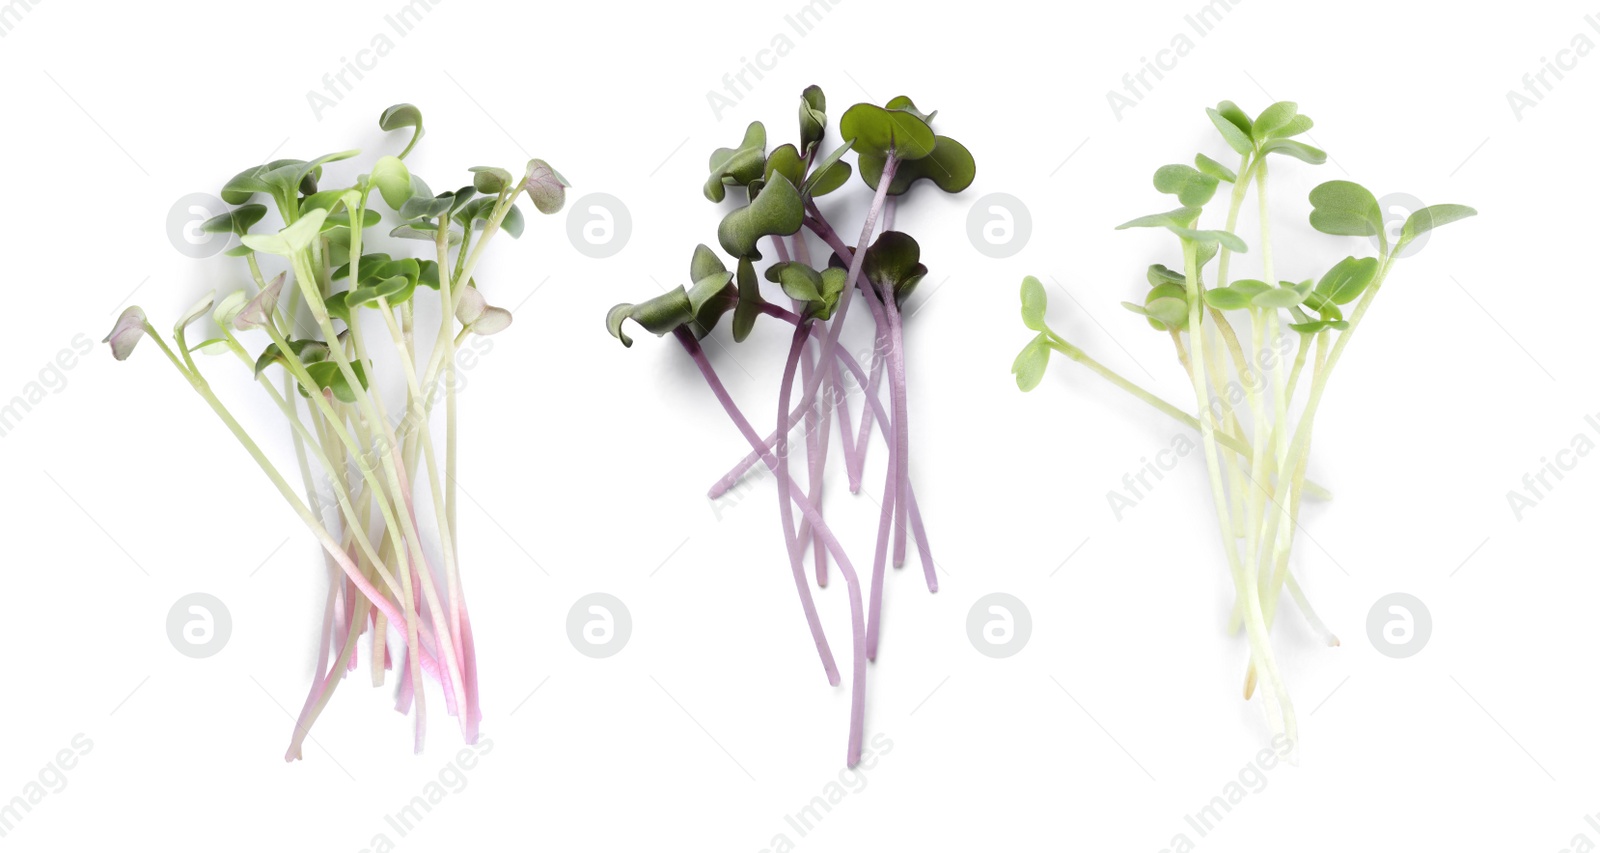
891,493
857,464
818,450
875,409
813,456
843,405
820,226
897,396
830,344
735,474
802,253
805,534
794,540
858,681
816,457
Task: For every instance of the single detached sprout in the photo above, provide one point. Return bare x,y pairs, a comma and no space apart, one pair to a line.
361,459
1256,453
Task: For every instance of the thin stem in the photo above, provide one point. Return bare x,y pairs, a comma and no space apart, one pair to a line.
1280,711
858,682
898,408
793,542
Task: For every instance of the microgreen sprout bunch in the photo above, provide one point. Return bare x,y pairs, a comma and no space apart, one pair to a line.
379,490
1256,443
776,200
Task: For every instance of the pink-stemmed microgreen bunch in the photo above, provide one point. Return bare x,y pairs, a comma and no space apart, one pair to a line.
378,494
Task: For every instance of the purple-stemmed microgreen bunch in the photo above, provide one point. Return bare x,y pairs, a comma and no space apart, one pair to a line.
1256,443
390,542
895,147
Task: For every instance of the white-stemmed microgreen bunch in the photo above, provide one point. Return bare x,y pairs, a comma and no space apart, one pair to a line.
1256,445
391,562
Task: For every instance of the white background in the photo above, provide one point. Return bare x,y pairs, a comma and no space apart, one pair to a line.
586,464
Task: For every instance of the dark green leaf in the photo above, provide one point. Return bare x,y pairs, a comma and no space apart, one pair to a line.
738,166
749,305
328,375
828,174
893,264
785,160
813,118
777,210
950,167
308,351
659,315
880,131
